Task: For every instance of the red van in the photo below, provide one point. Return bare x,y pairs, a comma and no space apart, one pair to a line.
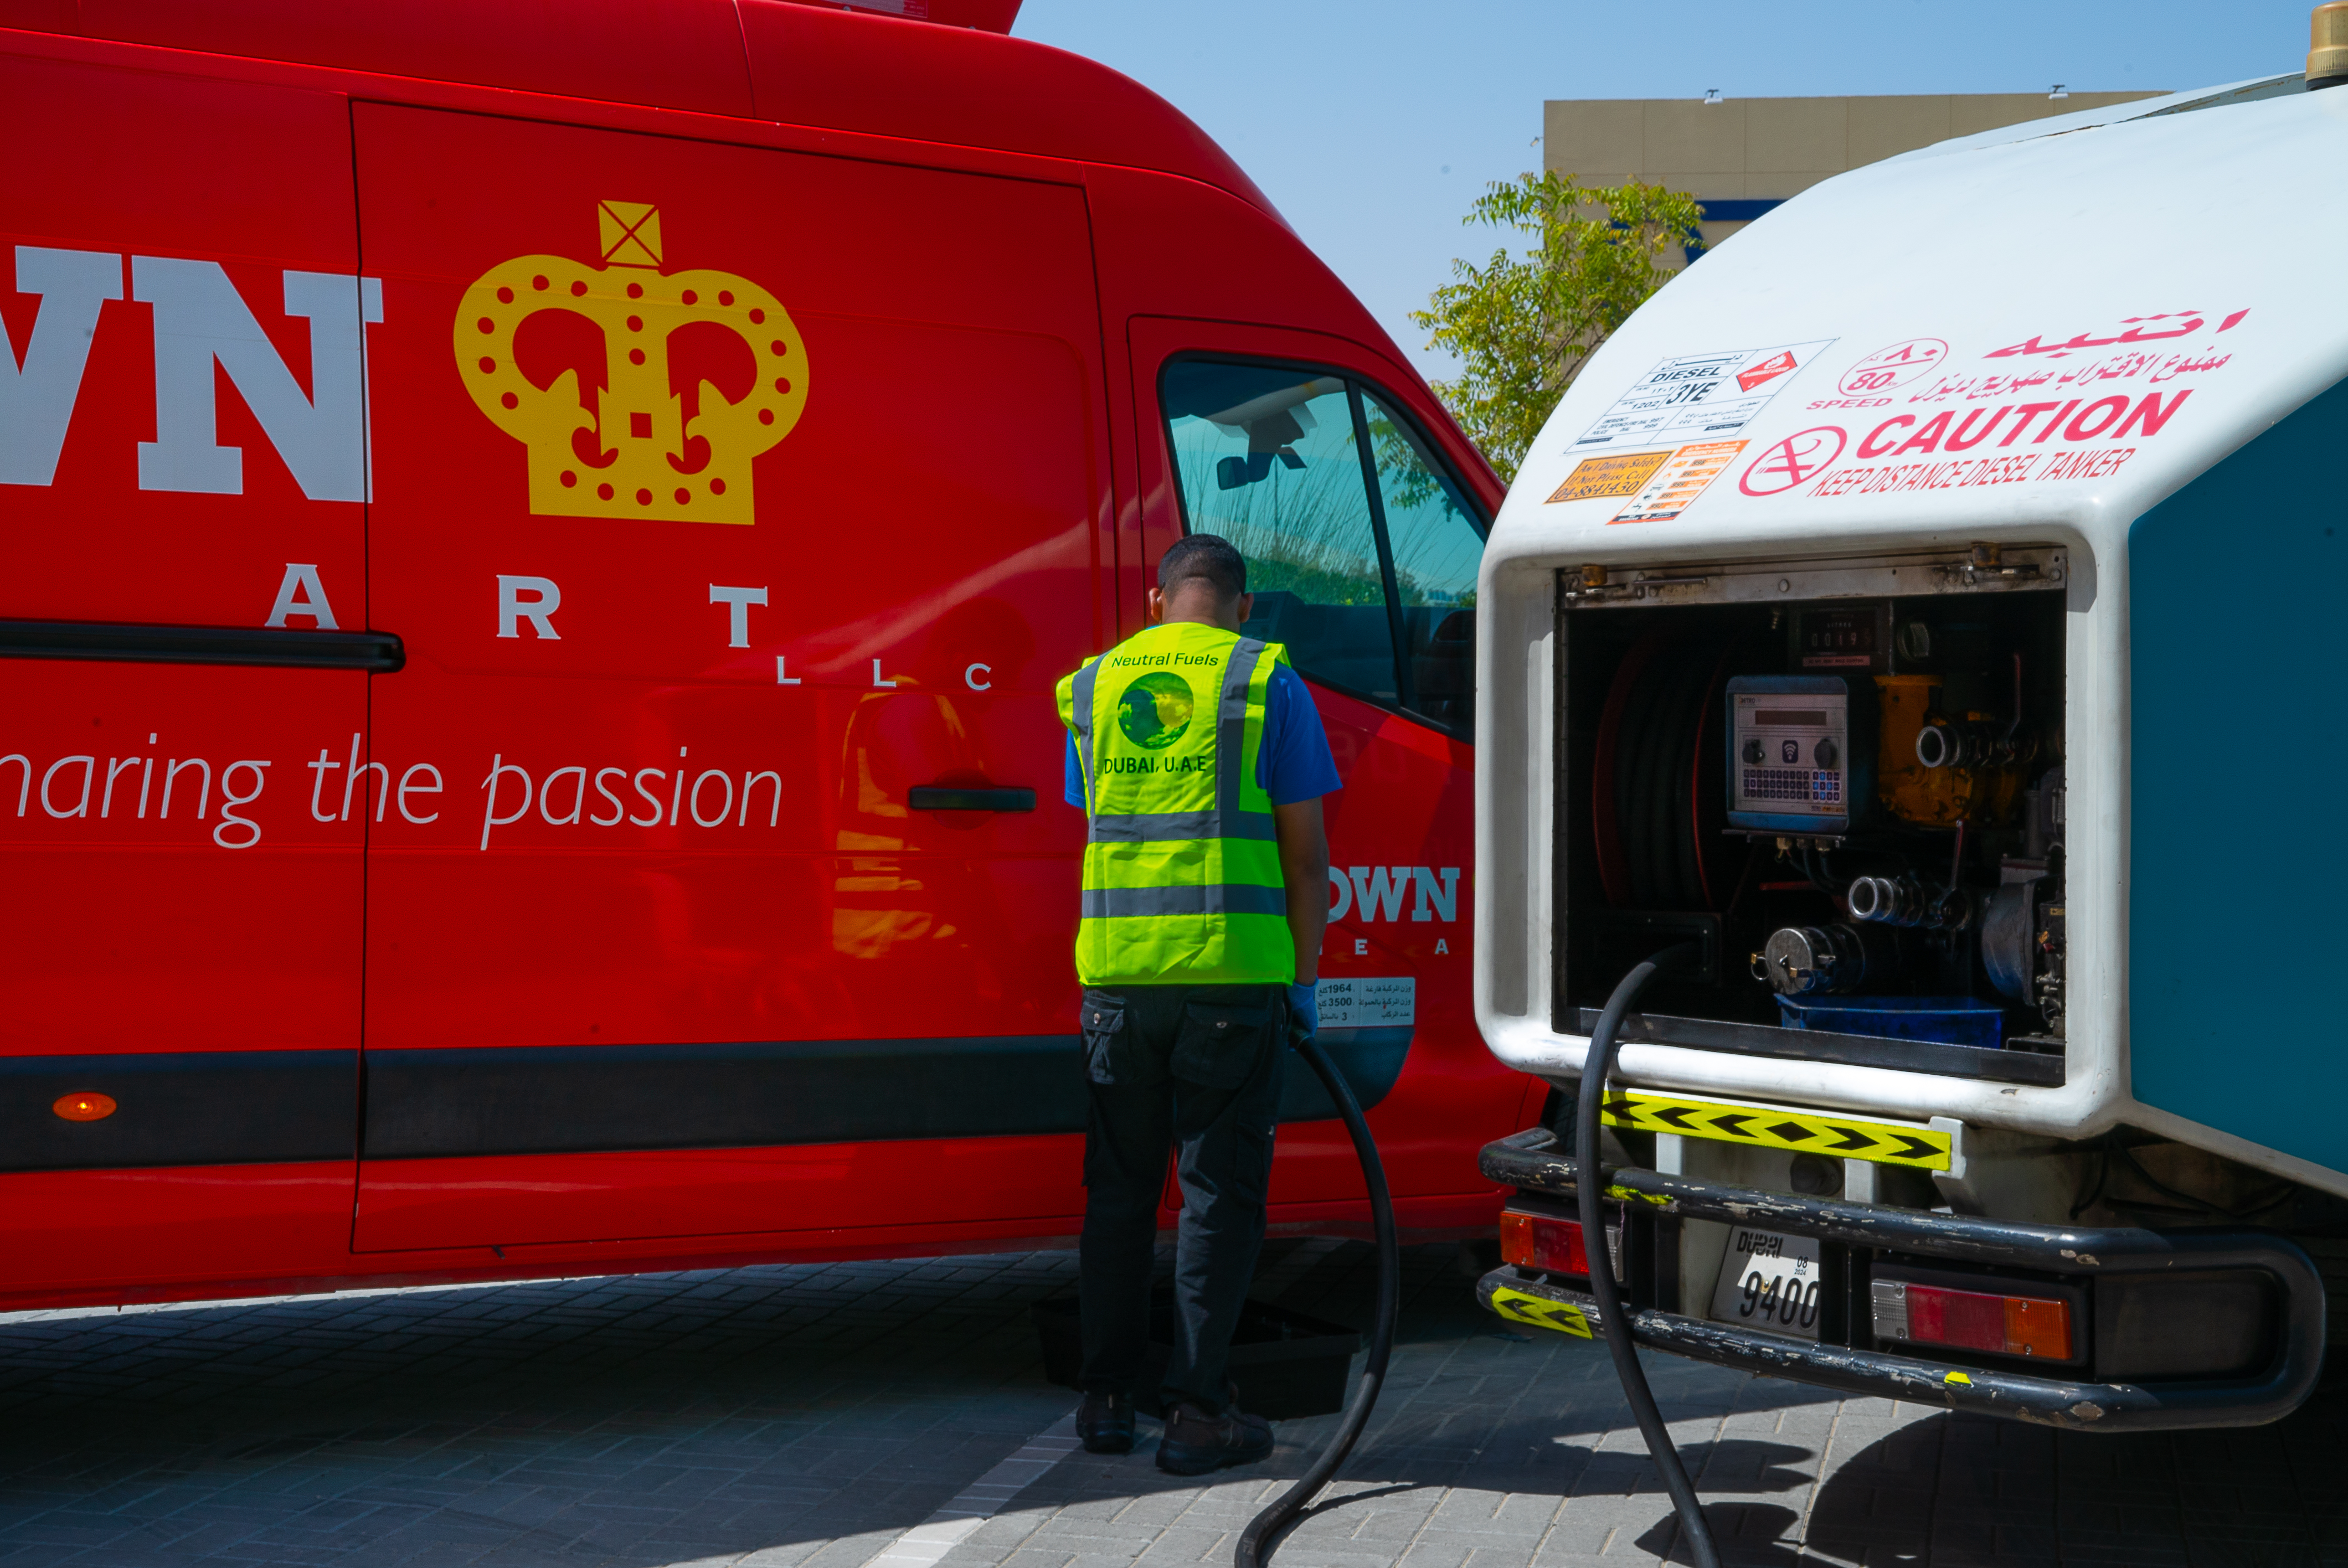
539,542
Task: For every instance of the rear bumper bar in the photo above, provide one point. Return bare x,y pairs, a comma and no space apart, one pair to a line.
1529,1161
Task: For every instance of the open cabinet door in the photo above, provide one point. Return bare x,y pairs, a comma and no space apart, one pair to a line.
1362,553
726,512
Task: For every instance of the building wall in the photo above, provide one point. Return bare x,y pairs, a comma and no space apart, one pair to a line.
1746,155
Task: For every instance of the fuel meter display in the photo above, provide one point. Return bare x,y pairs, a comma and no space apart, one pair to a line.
1791,760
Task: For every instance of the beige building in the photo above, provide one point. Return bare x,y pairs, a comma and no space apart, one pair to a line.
1742,156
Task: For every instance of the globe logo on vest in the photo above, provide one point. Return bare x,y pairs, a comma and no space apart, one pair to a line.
1155,710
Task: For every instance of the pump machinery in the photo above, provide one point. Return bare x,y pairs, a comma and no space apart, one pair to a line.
1905,849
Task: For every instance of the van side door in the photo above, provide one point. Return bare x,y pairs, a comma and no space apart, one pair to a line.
741,507
183,678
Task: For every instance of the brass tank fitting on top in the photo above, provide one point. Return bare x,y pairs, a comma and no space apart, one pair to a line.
2327,46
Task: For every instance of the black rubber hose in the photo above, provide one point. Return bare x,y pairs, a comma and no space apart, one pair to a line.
1589,1186
1255,1539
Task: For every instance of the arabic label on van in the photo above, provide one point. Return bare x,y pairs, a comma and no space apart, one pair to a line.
1701,394
1691,470
1354,1001
1616,474
631,447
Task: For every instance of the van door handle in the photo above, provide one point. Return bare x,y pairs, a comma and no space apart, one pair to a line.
953,797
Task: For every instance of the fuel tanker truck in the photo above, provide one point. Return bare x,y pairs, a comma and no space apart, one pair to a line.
1907,636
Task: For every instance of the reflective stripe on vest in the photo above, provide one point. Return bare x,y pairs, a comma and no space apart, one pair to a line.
1182,881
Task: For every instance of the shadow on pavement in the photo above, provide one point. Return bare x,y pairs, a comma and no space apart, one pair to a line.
1950,1488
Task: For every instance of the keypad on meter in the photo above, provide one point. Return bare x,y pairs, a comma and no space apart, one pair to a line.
1819,786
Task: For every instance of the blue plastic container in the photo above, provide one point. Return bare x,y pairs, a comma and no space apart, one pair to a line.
1945,1020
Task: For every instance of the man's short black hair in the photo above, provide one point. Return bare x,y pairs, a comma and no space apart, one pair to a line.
1206,556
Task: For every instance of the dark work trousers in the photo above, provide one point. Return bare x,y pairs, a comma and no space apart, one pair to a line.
1195,1069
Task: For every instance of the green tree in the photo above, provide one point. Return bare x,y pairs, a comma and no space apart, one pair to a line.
1524,324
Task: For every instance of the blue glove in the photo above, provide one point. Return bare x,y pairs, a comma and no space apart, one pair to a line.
1303,1011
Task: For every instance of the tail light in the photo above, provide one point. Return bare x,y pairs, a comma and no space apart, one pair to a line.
1551,1243
2034,1325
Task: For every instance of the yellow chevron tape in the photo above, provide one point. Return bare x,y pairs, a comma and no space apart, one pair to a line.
1563,1315
1768,1127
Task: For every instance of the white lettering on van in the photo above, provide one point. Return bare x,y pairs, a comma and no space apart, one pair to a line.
299,592
499,768
539,608
358,770
781,678
88,765
1436,903
200,321
881,680
1376,891
971,677
36,403
322,767
407,785
737,602
230,800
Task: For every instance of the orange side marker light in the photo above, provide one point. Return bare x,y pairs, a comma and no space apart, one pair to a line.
84,1105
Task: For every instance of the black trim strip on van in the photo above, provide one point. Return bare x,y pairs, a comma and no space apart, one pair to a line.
289,648
443,1103
258,1107
180,1107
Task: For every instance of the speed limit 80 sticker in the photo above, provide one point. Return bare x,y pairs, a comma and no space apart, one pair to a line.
1769,1280
1894,365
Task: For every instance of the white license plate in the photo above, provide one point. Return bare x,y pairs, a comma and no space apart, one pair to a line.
1770,1281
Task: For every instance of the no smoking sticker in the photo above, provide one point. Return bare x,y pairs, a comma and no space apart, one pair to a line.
1796,460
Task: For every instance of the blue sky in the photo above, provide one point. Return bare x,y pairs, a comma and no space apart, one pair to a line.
1374,123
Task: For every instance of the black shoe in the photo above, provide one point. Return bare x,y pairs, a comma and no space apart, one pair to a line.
1195,1443
1104,1422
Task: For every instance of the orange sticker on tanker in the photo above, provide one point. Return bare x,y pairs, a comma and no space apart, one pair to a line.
1688,474
1594,478
651,440
1700,396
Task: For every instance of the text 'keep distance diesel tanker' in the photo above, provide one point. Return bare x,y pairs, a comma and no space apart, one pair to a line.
1915,623
536,563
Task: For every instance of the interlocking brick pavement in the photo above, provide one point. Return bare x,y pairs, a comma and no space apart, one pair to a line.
808,1417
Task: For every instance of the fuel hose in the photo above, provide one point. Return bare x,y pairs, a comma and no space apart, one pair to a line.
1614,1324
1255,1541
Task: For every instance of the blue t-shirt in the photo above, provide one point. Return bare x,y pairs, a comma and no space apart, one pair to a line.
1294,763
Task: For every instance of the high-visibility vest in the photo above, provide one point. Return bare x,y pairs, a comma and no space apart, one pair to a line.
1182,883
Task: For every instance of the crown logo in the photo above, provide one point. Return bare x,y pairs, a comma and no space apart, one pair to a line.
637,444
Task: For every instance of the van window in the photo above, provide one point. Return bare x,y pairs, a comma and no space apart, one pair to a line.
1355,535
1268,458
1436,547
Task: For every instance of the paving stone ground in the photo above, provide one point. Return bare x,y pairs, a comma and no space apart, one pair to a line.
808,1417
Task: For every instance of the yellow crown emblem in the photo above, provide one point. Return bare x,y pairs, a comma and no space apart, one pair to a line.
638,446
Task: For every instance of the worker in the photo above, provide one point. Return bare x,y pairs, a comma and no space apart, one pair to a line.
1200,760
